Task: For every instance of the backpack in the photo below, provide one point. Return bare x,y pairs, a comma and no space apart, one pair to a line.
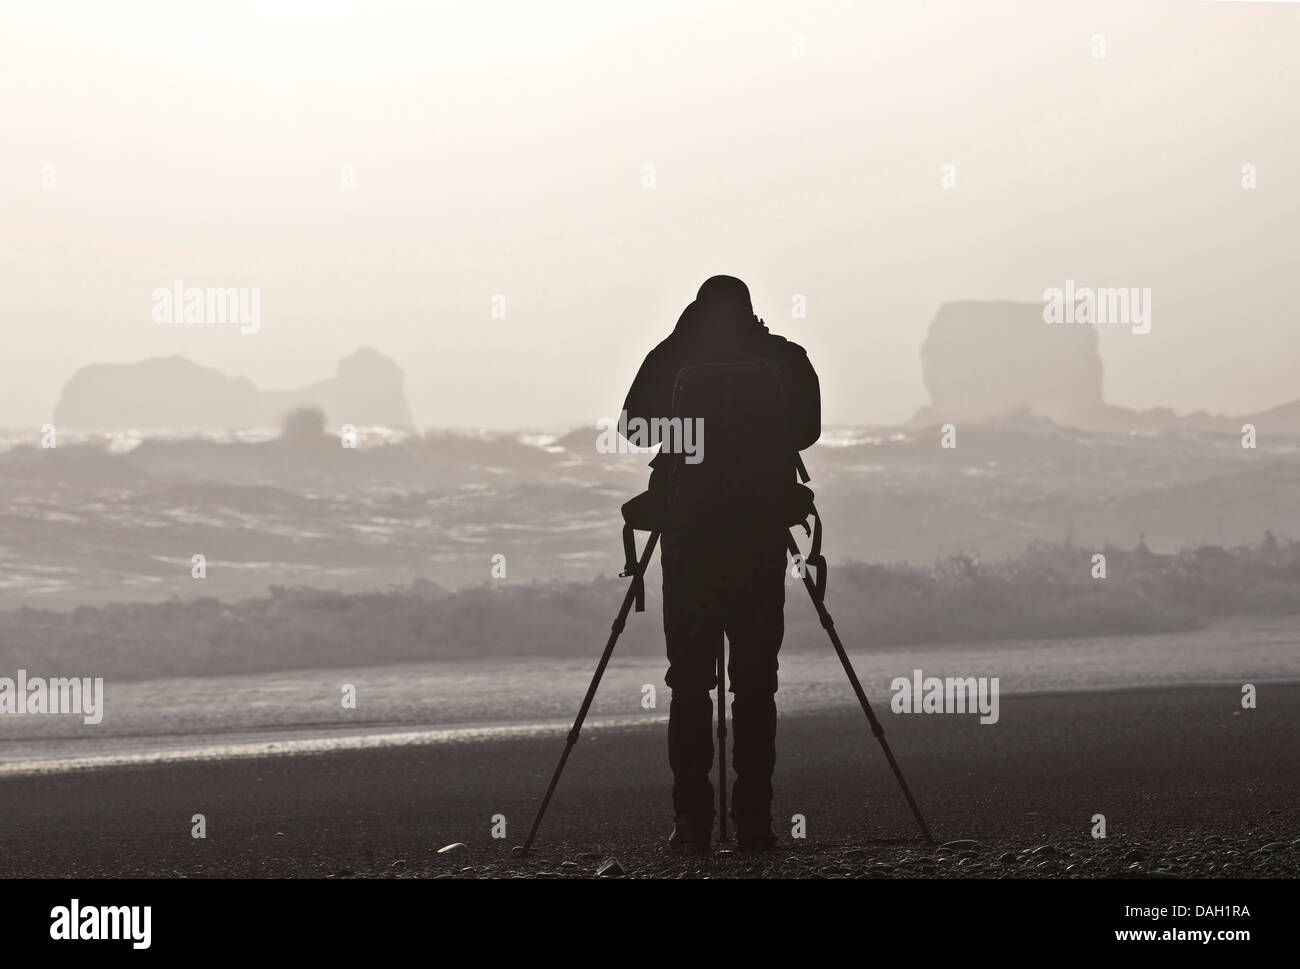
738,478
734,472
727,462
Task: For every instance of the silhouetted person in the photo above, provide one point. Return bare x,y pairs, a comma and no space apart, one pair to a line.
723,580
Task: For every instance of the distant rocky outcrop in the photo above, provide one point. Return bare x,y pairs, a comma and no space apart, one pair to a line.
984,361
987,361
172,392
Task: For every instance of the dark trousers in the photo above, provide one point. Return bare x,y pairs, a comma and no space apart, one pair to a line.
715,586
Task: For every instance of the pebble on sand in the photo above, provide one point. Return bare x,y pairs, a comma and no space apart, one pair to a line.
610,869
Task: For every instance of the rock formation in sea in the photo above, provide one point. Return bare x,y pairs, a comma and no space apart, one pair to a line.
176,393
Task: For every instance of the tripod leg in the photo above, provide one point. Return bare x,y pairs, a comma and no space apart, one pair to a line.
722,741
829,625
619,621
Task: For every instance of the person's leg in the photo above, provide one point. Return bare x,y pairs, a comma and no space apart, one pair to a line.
690,753
693,633
755,624
753,715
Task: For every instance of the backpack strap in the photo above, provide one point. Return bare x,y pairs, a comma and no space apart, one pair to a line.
814,559
631,567
804,476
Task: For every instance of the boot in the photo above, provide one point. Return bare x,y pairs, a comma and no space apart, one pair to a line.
692,834
754,832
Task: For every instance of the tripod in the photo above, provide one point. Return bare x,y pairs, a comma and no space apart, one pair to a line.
636,569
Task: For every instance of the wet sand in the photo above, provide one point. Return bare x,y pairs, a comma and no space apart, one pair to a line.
1188,781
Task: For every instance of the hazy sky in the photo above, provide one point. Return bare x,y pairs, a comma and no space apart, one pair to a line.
498,148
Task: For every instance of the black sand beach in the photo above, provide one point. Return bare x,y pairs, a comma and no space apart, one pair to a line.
1190,784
